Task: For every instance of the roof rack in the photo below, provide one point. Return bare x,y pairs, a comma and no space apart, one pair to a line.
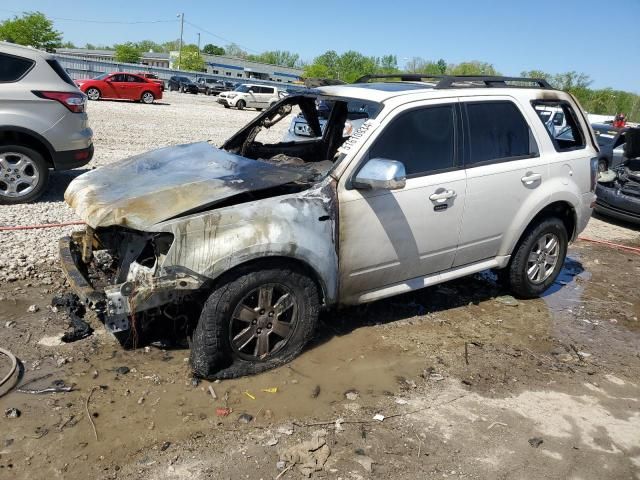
455,81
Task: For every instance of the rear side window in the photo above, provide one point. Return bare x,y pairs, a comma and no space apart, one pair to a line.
62,73
267,89
422,139
497,132
13,68
565,135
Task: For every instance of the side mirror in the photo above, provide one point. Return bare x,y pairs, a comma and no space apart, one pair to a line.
381,173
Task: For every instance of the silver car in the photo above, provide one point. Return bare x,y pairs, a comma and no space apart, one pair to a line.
43,124
441,181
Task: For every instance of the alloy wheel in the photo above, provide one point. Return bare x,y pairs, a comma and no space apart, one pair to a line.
543,258
263,322
19,174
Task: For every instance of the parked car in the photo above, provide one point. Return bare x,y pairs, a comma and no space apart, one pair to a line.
182,84
249,95
611,142
358,113
618,189
153,77
121,86
440,182
211,86
43,124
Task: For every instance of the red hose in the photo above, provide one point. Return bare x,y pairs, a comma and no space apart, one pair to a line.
44,225
611,244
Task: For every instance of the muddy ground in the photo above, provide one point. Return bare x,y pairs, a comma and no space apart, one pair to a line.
564,370
472,385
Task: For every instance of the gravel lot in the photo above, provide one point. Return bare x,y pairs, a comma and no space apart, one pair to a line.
122,129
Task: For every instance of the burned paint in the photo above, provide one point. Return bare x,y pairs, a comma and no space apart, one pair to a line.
146,189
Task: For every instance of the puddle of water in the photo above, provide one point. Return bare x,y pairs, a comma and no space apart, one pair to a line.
567,291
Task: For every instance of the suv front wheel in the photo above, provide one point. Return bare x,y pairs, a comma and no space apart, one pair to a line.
23,174
538,259
254,321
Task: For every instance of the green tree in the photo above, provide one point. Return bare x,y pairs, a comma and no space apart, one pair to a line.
127,53
171,46
387,64
472,68
33,29
234,50
191,59
442,66
149,46
283,58
212,49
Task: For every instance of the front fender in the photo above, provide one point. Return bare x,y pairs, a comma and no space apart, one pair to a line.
300,226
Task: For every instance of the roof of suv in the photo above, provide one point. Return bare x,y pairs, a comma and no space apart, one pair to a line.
435,86
27,52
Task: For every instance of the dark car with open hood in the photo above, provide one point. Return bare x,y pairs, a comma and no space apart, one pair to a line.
618,189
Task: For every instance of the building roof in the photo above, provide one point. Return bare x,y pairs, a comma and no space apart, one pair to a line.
108,53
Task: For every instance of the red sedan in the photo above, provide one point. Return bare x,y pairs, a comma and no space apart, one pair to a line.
122,86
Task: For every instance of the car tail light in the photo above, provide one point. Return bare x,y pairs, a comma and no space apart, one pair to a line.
594,173
74,101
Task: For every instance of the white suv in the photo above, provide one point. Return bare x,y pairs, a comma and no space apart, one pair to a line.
43,124
447,177
252,96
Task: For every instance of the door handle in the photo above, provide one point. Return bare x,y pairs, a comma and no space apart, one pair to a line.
530,178
442,196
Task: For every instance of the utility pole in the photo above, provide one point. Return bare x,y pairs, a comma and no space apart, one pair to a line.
198,42
181,15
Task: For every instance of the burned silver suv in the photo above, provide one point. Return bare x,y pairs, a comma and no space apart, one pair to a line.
446,177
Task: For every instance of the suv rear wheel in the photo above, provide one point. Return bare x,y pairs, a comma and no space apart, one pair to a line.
538,259
23,174
255,321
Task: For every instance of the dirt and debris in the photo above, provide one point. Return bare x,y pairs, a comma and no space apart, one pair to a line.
70,304
12,413
309,456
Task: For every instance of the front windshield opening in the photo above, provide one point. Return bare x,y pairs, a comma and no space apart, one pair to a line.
101,77
242,88
303,131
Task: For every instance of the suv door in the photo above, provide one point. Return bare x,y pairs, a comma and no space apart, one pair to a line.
391,236
267,94
504,169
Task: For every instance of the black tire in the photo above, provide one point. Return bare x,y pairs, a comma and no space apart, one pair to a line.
147,97
183,90
241,104
518,280
38,169
259,109
93,93
226,106
214,348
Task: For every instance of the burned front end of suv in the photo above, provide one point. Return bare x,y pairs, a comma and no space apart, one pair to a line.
120,272
163,227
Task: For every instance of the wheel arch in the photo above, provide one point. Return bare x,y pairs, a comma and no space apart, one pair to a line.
561,209
28,138
261,262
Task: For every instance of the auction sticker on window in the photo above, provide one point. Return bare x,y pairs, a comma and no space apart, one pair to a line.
358,137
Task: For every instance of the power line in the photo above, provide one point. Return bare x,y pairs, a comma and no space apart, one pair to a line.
119,22
221,38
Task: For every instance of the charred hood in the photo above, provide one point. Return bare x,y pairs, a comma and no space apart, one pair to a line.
141,191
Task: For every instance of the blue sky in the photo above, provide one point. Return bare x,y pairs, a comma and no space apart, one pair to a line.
599,38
